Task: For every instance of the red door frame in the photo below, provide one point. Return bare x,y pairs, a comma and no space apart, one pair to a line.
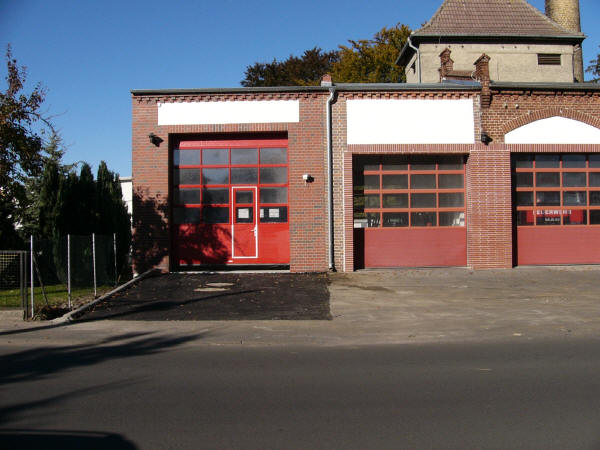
241,226
272,238
561,233
410,245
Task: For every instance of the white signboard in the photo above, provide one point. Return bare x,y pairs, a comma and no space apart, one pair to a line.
410,121
207,113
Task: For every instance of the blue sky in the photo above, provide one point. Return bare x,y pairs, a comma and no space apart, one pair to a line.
90,54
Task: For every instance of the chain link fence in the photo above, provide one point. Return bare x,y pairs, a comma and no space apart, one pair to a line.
59,274
13,278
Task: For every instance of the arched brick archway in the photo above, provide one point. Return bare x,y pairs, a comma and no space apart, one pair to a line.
555,111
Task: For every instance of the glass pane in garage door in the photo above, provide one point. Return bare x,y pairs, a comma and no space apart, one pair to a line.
409,191
556,189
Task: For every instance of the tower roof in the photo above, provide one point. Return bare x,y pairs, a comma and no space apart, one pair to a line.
502,20
510,18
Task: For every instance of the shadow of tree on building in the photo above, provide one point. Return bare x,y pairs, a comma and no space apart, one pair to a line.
192,245
150,230
203,244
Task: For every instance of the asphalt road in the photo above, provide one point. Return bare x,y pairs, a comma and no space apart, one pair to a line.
151,392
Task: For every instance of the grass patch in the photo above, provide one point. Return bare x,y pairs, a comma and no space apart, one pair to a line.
57,295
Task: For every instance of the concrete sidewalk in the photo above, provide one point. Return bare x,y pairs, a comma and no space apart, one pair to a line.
387,307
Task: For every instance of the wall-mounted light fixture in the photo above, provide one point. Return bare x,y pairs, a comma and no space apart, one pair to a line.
154,139
486,138
308,178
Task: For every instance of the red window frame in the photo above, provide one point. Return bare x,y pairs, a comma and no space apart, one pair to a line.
409,160
554,215
229,144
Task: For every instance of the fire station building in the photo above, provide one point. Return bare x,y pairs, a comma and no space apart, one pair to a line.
469,170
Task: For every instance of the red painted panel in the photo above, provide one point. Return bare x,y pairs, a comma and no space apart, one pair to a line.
415,247
274,243
244,241
202,244
558,245
211,244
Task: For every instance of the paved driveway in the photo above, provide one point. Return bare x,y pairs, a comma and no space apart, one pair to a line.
438,304
369,307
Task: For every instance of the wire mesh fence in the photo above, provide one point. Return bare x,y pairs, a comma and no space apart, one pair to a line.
60,273
13,278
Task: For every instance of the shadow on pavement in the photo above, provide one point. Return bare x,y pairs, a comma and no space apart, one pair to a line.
65,440
29,365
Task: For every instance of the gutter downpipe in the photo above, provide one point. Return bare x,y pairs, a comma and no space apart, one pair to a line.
330,175
416,49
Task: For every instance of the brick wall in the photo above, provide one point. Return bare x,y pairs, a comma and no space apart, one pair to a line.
488,182
511,109
489,207
342,161
150,173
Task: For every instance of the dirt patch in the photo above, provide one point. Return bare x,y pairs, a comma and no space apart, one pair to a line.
221,296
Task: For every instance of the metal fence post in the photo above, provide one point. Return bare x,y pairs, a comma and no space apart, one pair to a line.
31,272
69,268
23,282
115,253
94,261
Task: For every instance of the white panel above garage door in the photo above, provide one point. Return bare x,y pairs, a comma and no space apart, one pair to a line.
554,130
410,121
208,113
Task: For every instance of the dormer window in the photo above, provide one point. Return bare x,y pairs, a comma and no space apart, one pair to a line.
548,59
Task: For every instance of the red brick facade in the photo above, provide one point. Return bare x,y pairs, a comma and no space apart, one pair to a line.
489,204
307,154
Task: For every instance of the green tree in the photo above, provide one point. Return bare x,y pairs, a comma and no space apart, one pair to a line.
21,146
38,217
372,60
305,70
594,69
363,61
111,211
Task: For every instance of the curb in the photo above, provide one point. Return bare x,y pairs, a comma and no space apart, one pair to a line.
71,316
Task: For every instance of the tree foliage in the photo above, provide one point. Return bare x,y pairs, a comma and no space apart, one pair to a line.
372,60
78,204
594,69
305,70
22,147
363,61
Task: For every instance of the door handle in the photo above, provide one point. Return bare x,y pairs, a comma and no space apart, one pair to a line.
255,230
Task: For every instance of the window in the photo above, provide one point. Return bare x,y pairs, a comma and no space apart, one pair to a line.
556,189
203,178
548,59
402,191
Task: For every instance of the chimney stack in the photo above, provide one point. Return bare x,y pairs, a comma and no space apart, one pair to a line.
566,14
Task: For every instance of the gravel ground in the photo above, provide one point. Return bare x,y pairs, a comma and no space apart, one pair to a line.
220,296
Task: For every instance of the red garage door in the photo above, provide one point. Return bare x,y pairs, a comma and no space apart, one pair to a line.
230,202
557,208
409,211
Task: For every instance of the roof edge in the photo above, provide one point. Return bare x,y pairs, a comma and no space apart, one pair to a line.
508,85
229,90
514,37
338,86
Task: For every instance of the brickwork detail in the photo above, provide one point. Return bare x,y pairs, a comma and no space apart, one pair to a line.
512,109
489,208
550,112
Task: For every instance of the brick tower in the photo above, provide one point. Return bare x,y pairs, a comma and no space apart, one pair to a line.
566,14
